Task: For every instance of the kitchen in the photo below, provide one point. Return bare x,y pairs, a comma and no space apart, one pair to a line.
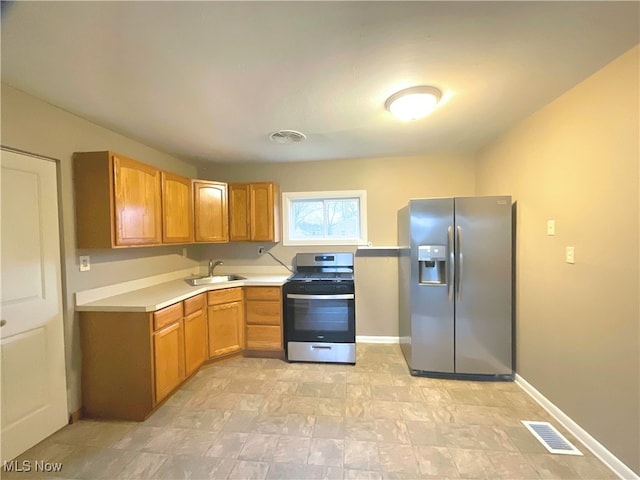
560,177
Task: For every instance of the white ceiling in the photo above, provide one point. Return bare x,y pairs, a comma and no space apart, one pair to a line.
211,80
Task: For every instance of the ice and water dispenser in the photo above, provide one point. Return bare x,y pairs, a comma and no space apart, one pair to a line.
432,264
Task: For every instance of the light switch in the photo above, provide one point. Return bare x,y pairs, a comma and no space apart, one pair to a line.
85,263
551,227
569,255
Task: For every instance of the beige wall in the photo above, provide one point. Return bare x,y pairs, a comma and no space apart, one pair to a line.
32,125
389,182
577,161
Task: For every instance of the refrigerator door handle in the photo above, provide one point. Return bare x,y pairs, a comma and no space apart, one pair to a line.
452,262
460,259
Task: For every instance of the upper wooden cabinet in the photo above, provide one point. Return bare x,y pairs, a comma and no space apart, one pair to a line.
211,214
254,212
121,202
137,202
265,212
118,201
177,209
239,212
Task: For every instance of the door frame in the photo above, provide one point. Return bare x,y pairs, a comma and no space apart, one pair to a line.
61,243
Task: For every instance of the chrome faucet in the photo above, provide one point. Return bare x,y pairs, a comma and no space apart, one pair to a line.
213,265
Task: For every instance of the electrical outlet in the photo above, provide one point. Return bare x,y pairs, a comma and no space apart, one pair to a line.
85,263
570,255
551,227
260,250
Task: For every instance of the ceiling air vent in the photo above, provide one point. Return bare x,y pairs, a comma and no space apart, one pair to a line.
287,137
551,438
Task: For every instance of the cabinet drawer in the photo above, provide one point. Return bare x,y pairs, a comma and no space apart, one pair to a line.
224,296
193,304
167,315
264,337
263,293
263,313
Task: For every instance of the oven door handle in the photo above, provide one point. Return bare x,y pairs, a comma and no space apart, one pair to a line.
347,296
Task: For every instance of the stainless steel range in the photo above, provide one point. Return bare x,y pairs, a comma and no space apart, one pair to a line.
319,309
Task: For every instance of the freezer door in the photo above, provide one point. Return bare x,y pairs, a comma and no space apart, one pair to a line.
432,306
483,332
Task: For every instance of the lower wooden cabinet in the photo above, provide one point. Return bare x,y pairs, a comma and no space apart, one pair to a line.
168,359
168,350
117,365
264,319
131,361
195,333
225,314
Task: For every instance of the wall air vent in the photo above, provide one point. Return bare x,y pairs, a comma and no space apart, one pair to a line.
552,440
287,137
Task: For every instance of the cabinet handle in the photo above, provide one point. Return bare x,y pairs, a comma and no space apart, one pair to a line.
346,296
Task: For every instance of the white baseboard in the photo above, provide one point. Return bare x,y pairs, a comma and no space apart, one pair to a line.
376,339
577,431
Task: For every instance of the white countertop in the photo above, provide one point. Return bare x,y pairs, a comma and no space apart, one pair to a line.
162,295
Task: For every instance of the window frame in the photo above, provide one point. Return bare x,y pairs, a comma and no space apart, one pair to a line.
288,197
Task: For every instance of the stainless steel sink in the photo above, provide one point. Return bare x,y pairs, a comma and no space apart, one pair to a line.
213,279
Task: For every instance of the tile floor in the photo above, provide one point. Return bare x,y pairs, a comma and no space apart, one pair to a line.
267,419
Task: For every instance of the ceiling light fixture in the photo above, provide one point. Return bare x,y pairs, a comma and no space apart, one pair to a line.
413,103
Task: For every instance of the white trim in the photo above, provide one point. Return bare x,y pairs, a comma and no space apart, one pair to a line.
599,450
376,339
287,197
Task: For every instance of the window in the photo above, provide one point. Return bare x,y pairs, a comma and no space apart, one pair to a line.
325,218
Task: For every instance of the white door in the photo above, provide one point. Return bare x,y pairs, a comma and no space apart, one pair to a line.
33,385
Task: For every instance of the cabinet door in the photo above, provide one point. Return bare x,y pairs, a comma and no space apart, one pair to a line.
264,337
177,212
264,208
168,358
211,214
239,211
226,328
138,216
195,341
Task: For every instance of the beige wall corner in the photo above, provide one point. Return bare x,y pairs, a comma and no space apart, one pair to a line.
576,161
389,182
34,126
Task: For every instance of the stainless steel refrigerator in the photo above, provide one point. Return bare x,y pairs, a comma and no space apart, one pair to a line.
455,279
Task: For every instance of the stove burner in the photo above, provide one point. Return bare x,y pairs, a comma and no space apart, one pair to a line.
323,267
